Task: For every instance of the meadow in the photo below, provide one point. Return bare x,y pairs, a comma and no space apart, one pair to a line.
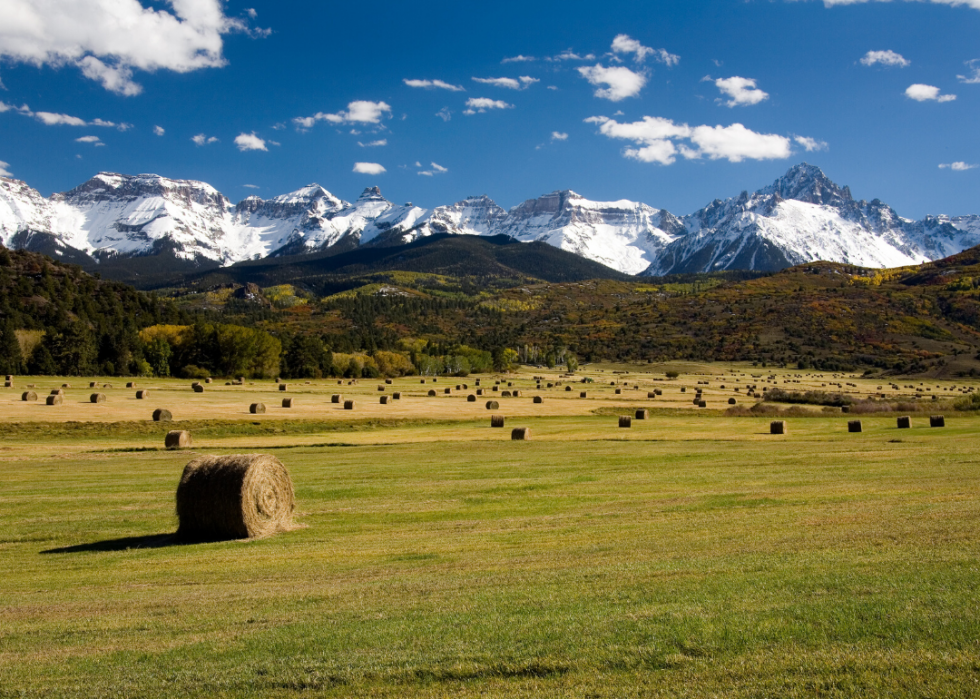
693,554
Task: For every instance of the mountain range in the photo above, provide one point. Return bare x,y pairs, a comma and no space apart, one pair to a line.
112,220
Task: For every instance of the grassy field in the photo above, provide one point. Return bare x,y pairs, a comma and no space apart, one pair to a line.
693,554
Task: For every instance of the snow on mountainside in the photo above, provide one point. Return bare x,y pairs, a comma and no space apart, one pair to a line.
803,216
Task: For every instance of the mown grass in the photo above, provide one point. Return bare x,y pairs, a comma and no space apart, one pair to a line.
691,556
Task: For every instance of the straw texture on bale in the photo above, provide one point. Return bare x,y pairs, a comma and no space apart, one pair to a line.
97,398
937,421
256,408
28,396
140,395
520,433
471,398
239,496
496,421
642,414
55,400
777,427
57,392
853,425
177,439
348,405
492,405
625,421
287,402
336,398
904,422
384,400
162,415
538,399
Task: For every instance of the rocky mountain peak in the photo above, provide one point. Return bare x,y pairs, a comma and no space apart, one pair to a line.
808,183
371,194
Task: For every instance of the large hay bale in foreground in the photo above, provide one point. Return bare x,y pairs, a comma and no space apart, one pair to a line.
28,396
777,427
177,439
625,421
336,398
55,400
287,402
239,496
520,433
496,421
162,415
256,408
492,405
904,422
143,394
853,425
97,398
937,421
642,414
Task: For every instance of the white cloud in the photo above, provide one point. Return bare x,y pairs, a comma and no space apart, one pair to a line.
4,172
249,141
657,140
52,119
55,119
478,105
622,82
360,112
373,144
975,4
430,84
108,39
250,11
202,140
519,59
369,168
527,80
885,58
444,114
559,136
159,130
958,166
974,78
743,91
569,55
251,186
624,44
811,144
94,140
509,83
926,93
437,169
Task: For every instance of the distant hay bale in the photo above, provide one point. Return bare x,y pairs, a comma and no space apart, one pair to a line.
66,385
431,393
732,401
57,392
28,396
130,384
93,384
568,388
479,391
459,387
287,402
234,497
853,425
336,398
777,427
9,377
845,409
384,400
422,381
702,404
493,405
625,421
904,422
55,400
177,439
659,391
97,398
510,383
208,380
396,396
348,405
505,394
619,391
651,394
282,386
198,388
551,385
448,391
389,381
381,388
683,389
937,421
142,394
538,399
496,421
583,394
495,388
256,408
477,383
162,415
471,398
696,400
520,433
516,394
642,414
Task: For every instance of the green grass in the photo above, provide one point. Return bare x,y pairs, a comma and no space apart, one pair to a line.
692,557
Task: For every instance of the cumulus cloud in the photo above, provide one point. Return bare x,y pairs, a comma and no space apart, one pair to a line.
885,58
958,166
569,55
974,77
4,172
624,44
432,84
559,136
479,105
742,91
55,119
109,39
445,114
369,168
249,141
94,140
660,140
159,130
202,140
359,112
509,83
927,93
373,144
436,169
811,144
519,59
622,82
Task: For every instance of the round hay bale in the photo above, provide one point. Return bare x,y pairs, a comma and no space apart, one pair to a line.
208,380
505,394
853,425
568,388
10,377
732,401
459,387
625,421
479,391
904,422
845,409
583,394
696,401
348,405
93,384
66,385
422,381
381,388
510,383
516,394
495,388
477,382
642,414
282,387
198,388
142,394
389,381
683,389
107,385
28,396
496,421
130,384
396,396
384,400
659,391
471,398
97,398
551,385
256,408
651,394
520,433
177,439
431,393
336,398
538,399
937,421
162,415
55,400
234,497
619,391
777,427
492,405
287,402
448,391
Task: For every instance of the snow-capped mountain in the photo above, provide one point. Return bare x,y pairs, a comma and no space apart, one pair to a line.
803,216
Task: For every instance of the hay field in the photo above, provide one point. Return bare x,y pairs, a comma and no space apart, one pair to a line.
692,554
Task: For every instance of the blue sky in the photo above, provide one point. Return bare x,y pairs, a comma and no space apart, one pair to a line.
669,103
